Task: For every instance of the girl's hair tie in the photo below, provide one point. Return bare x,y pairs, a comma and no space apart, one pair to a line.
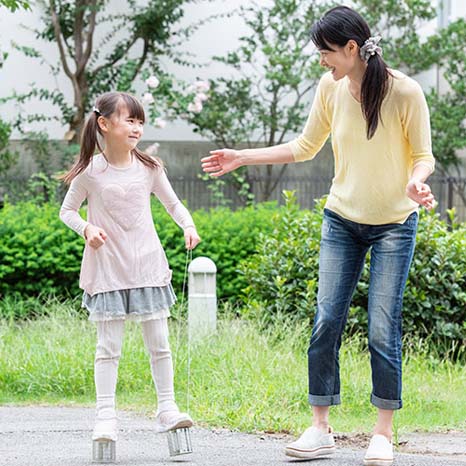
370,48
96,110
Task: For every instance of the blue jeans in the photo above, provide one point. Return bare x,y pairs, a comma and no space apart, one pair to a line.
343,249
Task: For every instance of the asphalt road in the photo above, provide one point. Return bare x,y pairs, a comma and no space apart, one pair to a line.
53,436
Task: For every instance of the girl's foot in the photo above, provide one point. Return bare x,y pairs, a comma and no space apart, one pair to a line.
105,429
172,420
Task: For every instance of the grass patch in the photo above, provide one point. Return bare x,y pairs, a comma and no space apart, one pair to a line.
241,378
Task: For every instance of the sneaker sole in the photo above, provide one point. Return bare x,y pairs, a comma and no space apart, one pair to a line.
186,424
377,462
309,454
105,437
183,424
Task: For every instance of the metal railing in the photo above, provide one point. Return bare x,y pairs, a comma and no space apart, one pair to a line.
198,195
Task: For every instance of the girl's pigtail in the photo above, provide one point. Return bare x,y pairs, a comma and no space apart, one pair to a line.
89,142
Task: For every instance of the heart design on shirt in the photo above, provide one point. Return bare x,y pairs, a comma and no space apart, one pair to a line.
125,206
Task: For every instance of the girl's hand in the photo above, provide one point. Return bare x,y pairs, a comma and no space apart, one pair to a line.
221,161
95,236
191,238
420,192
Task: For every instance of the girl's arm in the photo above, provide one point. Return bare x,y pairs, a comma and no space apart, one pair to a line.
69,211
162,188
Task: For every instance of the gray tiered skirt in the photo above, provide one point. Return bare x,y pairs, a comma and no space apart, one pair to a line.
137,304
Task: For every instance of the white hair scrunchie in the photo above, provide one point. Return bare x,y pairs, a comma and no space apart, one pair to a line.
96,110
370,48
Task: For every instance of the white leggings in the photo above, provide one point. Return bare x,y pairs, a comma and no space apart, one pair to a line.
107,356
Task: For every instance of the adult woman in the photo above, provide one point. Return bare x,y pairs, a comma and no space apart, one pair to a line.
379,122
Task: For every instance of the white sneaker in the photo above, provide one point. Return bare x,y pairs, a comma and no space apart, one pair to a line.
380,452
105,429
172,420
312,444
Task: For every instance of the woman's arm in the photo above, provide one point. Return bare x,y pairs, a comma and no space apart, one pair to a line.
222,161
416,121
417,189
304,147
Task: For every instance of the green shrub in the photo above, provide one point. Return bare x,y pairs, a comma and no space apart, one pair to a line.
228,237
39,255
283,275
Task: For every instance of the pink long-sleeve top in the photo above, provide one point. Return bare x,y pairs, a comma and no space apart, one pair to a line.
119,203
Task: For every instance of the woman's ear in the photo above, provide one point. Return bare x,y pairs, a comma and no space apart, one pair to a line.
352,47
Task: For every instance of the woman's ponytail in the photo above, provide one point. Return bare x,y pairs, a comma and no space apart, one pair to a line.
374,88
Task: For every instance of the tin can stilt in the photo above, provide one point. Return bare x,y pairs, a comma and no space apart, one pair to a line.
103,451
179,441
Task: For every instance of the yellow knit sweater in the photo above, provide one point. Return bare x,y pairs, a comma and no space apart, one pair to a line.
370,175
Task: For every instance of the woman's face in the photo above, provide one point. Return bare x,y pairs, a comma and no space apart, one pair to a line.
341,60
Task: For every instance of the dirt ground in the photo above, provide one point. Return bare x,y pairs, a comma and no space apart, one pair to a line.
450,444
447,444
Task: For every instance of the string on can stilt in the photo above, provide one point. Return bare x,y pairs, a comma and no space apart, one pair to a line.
179,440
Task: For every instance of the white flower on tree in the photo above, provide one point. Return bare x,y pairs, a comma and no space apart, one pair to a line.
153,149
159,122
152,82
148,98
200,97
195,107
201,86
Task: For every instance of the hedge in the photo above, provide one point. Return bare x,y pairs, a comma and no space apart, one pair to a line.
283,275
266,255
39,255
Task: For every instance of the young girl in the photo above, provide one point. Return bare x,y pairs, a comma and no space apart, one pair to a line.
124,272
379,122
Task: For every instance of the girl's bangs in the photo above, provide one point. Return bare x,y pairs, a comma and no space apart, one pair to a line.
134,107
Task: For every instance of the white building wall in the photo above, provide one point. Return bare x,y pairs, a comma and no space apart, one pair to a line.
216,38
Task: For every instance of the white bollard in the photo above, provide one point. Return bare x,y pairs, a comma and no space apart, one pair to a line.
202,298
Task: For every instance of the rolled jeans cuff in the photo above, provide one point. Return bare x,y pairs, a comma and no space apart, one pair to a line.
324,400
386,404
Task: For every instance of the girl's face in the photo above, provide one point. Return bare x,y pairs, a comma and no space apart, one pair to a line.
341,60
123,129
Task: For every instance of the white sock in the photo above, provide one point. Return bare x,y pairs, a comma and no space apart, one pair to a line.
155,333
107,357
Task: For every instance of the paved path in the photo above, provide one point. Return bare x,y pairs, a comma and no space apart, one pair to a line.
51,436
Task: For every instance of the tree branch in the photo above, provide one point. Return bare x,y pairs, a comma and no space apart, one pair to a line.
142,59
78,28
58,37
117,58
89,35
278,178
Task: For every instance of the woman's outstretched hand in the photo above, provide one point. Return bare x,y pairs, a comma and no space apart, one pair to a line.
191,238
221,161
420,192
